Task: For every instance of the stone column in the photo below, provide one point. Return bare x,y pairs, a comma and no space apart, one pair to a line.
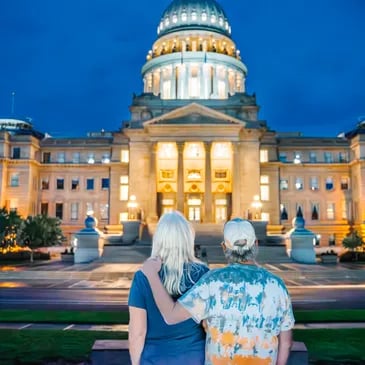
208,183
236,177
153,182
180,176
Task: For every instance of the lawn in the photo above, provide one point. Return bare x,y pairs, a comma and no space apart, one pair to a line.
34,346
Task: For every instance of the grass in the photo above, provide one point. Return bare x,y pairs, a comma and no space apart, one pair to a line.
100,317
34,346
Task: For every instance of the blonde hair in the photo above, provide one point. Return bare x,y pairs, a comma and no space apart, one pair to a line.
173,242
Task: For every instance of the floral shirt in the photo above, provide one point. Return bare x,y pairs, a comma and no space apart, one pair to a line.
245,307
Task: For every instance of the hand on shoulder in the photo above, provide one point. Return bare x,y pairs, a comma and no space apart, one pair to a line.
151,266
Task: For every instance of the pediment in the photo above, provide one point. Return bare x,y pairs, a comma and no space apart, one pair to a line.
194,114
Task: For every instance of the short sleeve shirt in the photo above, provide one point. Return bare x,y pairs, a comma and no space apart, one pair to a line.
246,307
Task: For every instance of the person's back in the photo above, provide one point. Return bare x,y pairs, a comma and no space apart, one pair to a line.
247,309
151,340
168,344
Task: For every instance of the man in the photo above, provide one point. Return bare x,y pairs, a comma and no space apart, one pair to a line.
246,309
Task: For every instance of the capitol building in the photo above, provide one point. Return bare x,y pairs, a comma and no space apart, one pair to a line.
194,142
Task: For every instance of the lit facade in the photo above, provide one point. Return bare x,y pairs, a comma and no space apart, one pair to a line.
194,142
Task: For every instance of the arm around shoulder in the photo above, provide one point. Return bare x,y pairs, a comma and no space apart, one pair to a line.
137,330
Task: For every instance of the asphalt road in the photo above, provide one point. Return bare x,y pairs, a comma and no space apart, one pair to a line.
315,297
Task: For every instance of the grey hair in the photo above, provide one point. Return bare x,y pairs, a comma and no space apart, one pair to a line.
238,254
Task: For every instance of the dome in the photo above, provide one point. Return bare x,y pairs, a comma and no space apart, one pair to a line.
194,14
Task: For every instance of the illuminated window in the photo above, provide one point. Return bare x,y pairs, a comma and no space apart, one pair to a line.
213,18
106,157
91,157
193,15
123,216
124,156
14,179
264,179
221,150
221,174
174,18
124,188
314,184
330,210
74,211
104,211
264,156
89,208
167,150
194,175
204,16
299,185
264,187
344,209
184,16
167,174
297,158
194,150
284,184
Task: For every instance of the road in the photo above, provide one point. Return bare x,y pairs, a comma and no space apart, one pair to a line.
311,297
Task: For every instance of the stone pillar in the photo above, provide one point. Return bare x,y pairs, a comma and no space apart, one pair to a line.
180,176
153,182
208,183
236,178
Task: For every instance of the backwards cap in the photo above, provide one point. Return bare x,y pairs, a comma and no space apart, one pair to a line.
239,234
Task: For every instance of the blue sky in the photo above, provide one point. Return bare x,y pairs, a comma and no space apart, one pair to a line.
74,64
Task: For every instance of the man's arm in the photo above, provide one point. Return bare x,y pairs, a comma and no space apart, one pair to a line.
136,333
171,311
285,342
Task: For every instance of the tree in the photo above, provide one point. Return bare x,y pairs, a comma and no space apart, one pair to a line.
10,222
352,241
41,231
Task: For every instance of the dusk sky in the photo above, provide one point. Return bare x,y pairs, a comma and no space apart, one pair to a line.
74,64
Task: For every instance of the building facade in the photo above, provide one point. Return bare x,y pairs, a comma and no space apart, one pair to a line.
194,142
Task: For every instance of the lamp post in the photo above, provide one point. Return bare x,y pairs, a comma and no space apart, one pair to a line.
256,205
132,207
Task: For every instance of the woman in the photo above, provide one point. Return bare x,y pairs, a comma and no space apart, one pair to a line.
151,340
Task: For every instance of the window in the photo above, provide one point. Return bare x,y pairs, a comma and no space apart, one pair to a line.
299,185
76,157
312,157
221,174
342,157
91,157
194,175
44,208
14,179
314,185
344,209
60,182
124,156
284,184
74,211
105,183
283,157
166,174
89,208
104,211
46,157
105,158
264,187
283,212
45,183
297,157
328,157
329,184
59,210
75,183
264,156
315,211
61,157
124,188
89,184
16,152
330,210
344,183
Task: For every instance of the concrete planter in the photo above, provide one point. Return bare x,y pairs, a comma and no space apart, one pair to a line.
329,259
131,231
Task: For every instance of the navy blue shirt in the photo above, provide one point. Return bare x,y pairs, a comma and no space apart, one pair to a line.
182,343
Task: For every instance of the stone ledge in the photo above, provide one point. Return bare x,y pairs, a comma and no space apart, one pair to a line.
115,352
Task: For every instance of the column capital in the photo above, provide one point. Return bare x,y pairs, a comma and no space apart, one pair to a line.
180,146
208,145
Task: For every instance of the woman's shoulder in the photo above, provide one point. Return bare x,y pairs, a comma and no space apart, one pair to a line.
197,269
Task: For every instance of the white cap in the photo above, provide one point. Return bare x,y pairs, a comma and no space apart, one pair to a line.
239,235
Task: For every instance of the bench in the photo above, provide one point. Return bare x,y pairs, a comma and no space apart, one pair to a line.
115,352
